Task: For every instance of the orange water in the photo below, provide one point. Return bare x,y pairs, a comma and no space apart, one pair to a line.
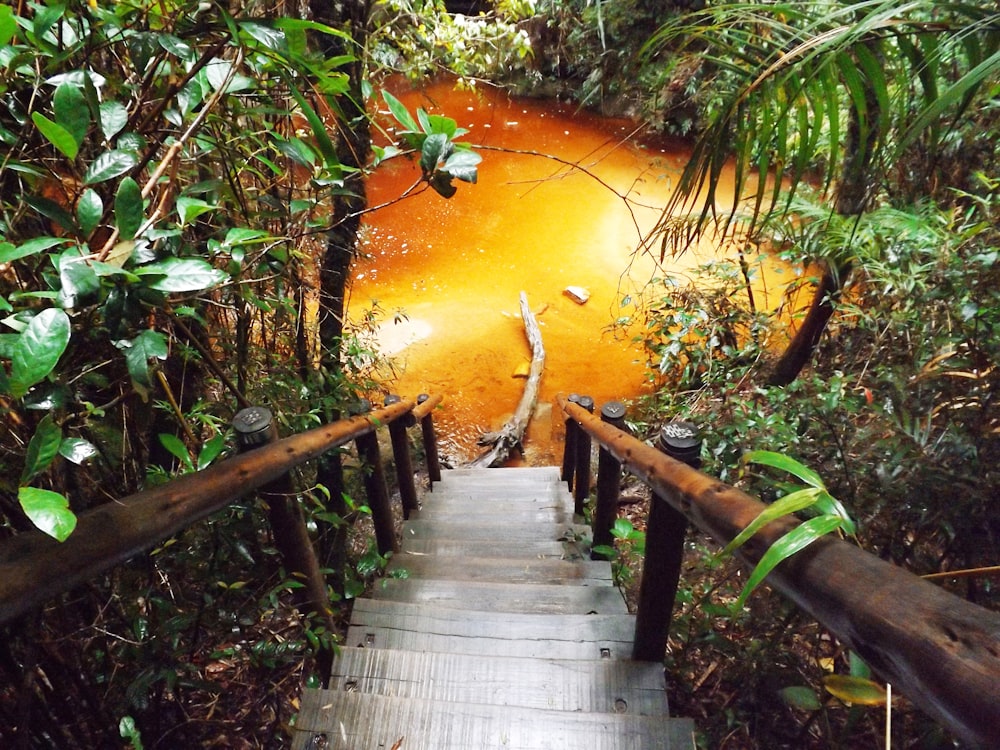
455,267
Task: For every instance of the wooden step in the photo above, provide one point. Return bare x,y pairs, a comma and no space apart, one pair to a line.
521,474
486,596
503,570
602,685
567,550
339,720
511,533
381,623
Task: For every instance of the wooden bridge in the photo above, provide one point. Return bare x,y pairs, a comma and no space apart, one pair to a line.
493,629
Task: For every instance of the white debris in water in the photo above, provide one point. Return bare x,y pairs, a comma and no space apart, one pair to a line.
578,294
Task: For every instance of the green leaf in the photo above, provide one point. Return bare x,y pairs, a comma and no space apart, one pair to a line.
210,451
114,117
38,349
144,347
801,697
182,275
52,210
32,247
190,209
785,463
177,449
323,142
42,448
77,278
436,149
77,450
795,540
71,111
129,213
89,210
399,111
622,528
48,511
8,26
855,690
109,165
790,503
462,165
56,134
273,39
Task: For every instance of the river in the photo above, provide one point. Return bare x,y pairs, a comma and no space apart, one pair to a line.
447,273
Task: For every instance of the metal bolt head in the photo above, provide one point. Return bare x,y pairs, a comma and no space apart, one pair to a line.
613,411
254,426
681,440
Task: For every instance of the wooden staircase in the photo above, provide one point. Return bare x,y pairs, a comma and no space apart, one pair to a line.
493,629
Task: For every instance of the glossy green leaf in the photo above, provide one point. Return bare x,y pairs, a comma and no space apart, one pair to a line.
181,275
462,165
48,511
858,690
52,210
273,39
114,118
801,697
38,349
71,111
77,279
42,448
176,448
795,540
436,149
56,134
399,111
9,252
77,450
190,209
129,213
790,503
109,165
210,451
785,463
138,351
89,210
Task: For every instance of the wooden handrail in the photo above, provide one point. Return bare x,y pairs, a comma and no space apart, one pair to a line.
34,567
939,650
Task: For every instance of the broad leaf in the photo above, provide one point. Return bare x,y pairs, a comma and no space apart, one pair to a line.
42,448
56,134
8,26
38,349
9,252
89,210
129,213
48,511
71,111
144,347
462,165
855,690
77,450
273,39
109,165
114,117
177,449
190,209
790,503
801,697
181,275
399,111
52,210
436,150
210,451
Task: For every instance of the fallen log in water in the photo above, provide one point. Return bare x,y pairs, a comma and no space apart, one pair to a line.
509,436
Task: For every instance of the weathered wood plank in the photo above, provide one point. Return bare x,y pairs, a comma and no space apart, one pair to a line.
379,623
504,570
568,550
354,721
512,533
503,597
501,514
601,685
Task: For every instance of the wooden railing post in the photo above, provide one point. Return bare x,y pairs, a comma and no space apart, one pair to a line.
430,442
609,473
665,532
402,459
255,426
581,474
375,487
569,445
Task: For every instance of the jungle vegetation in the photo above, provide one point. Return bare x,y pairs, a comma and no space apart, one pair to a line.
181,185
